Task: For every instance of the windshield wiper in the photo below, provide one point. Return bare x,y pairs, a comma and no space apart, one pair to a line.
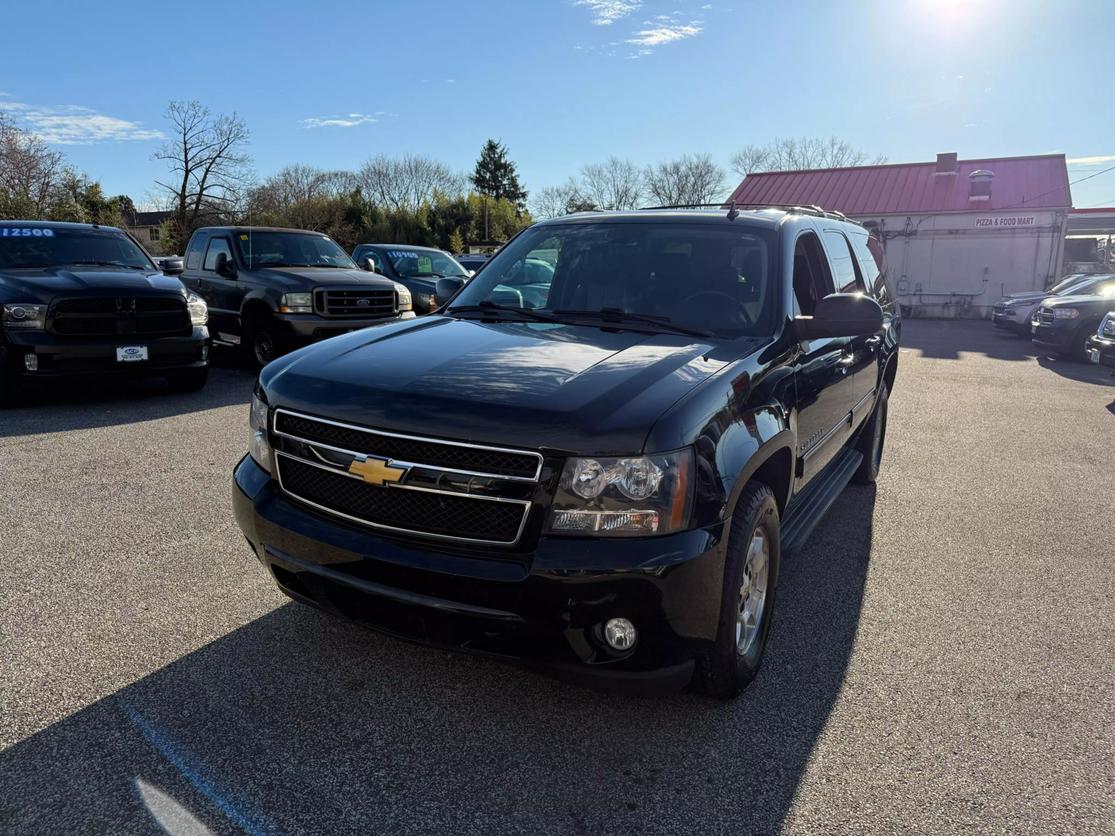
614,316
493,311
110,264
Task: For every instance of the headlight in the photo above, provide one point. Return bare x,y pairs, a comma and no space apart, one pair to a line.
199,311
1107,327
259,448
296,303
425,301
624,497
29,317
405,302
1065,313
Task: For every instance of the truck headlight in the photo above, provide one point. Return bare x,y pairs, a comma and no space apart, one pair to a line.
628,496
296,303
1065,313
24,316
405,302
199,311
425,302
1107,327
259,447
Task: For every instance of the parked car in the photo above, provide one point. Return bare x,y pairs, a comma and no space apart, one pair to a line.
472,262
270,290
1101,345
79,300
604,482
418,268
1015,311
1063,324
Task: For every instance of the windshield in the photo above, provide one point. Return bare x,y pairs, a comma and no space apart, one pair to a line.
1098,286
1067,282
291,249
717,279
41,246
419,263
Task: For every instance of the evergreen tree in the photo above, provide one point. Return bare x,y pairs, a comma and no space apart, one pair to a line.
495,175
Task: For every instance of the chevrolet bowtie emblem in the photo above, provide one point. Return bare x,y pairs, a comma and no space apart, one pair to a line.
376,471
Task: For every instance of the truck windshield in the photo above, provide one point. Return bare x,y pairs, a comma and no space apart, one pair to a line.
420,263
267,248
716,279
42,246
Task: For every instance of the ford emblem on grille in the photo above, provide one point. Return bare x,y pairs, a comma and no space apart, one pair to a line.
363,302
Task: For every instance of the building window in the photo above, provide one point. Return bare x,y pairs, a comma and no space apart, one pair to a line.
154,233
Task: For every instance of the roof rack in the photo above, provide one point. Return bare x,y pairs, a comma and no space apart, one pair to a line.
731,206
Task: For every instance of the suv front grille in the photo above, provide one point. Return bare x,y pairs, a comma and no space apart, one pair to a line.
111,316
437,514
1046,317
479,460
362,303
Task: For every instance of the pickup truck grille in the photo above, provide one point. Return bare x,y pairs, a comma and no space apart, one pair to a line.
356,303
449,490
112,316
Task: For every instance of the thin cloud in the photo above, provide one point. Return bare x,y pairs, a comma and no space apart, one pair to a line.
1102,158
607,12
75,125
659,35
349,120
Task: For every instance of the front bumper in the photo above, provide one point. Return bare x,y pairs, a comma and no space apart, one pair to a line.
546,607
63,357
1054,336
308,328
1101,350
1003,319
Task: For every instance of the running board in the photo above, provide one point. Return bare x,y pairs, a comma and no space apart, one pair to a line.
810,506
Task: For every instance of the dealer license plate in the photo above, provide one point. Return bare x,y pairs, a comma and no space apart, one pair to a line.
131,353
1094,355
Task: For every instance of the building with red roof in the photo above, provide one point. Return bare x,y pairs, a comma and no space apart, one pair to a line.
958,234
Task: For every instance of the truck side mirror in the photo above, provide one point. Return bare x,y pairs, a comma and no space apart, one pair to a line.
841,315
446,289
172,266
369,264
225,266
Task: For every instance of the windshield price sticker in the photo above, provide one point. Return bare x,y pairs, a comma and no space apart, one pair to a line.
26,232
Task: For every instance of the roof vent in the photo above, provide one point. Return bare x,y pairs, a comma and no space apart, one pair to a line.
979,184
946,163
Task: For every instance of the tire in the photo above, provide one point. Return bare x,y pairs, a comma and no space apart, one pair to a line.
1078,348
262,340
188,380
871,442
732,664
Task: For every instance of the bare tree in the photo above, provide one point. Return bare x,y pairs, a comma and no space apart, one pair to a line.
689,179
30,173
407,182
614,184
555,201
300,196
799,154
210,172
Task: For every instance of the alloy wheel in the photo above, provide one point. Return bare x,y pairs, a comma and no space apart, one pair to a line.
752,593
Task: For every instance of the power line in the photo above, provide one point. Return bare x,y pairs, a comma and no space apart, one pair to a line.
1051,191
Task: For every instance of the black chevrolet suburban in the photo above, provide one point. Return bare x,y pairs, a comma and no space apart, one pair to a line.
604,481
79,300
270,290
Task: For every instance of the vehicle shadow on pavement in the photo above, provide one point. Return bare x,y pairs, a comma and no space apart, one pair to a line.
90,403
298,722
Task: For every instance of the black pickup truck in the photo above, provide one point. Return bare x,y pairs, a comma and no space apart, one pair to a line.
79,300
271,290
604,479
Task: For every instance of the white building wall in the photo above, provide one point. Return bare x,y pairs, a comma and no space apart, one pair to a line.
960,264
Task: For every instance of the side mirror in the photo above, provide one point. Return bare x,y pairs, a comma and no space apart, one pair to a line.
369,264
446,289
172,266
841,315
225,266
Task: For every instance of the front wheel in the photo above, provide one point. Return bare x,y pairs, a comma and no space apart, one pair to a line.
263,341
747,599
871,442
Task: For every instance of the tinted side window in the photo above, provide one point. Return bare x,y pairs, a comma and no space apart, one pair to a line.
193,253
871,266
840,254
216,247
812,281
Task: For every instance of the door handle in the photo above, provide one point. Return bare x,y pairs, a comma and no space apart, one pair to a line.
873,342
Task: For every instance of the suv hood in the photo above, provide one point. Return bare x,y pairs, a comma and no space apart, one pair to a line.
305,278
1027,294
1097,304
42,285
567,388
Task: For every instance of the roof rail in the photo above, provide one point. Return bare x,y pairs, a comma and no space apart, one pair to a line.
731,206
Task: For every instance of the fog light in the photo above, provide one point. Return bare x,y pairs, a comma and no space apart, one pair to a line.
620,634
31,362
205,352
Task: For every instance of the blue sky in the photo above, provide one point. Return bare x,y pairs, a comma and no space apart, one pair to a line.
564,82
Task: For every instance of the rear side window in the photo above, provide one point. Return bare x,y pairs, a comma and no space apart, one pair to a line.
216,247
193,253
840,254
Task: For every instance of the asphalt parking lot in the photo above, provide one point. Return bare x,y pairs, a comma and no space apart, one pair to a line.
941,658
